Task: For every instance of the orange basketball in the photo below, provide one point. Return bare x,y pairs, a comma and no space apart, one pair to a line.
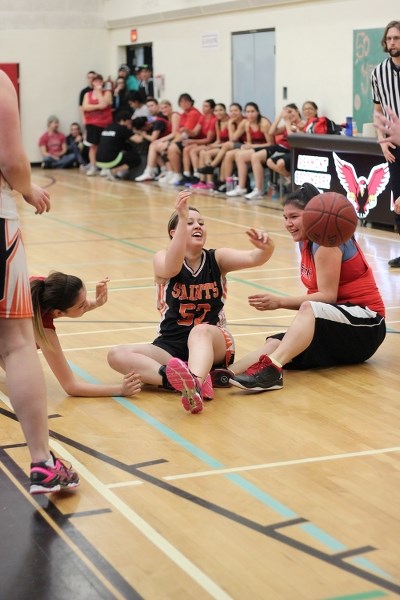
329,219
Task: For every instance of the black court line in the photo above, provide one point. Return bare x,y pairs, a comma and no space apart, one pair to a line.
37,562
273,531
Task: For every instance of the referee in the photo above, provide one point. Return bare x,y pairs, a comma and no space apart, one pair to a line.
385,81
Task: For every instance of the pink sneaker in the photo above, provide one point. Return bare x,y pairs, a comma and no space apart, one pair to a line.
200,186
47,480
182,380
210,186
207,390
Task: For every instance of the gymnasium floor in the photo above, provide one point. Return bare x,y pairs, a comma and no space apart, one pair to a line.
287,495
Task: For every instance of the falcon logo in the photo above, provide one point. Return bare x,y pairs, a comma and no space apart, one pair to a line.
362,192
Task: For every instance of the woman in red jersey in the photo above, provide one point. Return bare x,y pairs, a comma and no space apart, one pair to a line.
340,319
97,110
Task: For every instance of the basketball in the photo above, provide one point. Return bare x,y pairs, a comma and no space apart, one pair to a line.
329,219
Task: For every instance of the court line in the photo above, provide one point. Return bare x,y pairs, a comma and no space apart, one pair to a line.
361,596
312,530
138,522
284,463
70,543
144,527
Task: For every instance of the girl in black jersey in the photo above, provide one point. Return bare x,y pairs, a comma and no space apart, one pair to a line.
191,293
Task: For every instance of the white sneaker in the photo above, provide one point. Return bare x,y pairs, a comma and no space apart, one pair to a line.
175,179
91,171
254,195
238,191
105,172
165,179
147,175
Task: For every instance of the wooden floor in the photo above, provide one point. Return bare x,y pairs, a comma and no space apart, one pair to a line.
287,495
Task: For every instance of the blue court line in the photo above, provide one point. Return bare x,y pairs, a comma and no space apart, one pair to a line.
361,596
313,530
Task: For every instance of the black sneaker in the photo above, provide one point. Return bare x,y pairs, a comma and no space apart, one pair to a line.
220,378
394,263
260,377
208,170
165,383
222,188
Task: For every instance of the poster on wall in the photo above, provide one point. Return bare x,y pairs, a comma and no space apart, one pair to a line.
367,53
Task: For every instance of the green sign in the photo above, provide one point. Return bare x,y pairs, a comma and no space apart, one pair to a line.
367,53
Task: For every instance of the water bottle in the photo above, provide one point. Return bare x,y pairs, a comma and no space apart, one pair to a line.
274,193
184,138
235,181
354,128
229,184
349,126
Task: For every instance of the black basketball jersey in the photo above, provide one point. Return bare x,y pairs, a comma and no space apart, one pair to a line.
191,298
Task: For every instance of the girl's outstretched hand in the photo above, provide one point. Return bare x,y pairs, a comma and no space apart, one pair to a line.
131,384
259,239
264,301
101,292
182,204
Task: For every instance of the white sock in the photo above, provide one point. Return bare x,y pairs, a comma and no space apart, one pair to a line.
49,462
186,173
275,362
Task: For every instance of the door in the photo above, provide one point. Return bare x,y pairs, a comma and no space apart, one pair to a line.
253,69
12,70
139,55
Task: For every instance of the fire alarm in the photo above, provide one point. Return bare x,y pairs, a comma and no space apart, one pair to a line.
134,35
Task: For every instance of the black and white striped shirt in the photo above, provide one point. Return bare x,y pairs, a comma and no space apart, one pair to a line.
385,80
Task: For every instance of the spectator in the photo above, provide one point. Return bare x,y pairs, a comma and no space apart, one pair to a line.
207,153
120,95
157,152
137,105
146,85
76,146
98,114
276,156
132,82
156,125
53,146
187,129
258,136
90,75
236,137
205,136
285,123
115,156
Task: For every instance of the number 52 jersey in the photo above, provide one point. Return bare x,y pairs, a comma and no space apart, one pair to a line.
190,298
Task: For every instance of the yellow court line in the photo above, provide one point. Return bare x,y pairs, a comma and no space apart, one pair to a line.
138,522
59,531
145,528
285,463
